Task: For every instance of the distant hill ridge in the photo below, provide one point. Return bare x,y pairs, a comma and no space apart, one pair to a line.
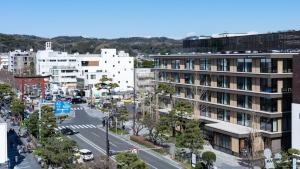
72,44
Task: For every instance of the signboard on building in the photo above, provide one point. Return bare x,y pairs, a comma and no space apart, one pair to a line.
62,108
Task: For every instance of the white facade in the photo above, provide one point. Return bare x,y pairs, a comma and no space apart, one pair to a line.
4,61
118,66
144,79
295,125
3,143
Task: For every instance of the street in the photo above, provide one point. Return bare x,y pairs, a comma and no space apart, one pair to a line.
92,136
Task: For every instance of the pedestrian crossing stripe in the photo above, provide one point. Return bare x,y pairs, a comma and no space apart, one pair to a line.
77,108
86,126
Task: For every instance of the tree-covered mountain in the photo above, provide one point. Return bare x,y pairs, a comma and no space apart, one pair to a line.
72,44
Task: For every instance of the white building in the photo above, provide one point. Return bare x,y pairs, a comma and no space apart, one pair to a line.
20,62
4,61
3,144
144,80
91,67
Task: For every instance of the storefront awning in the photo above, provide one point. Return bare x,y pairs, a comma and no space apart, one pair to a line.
231,129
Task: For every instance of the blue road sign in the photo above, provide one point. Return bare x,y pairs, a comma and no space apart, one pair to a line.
62,107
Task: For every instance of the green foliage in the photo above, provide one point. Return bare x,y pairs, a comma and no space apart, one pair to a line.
18,108
165,89
148,64
183,109
5,89
33,124
123,114
130,161
292,151
199,165
58,151
48,123
191,137
209,157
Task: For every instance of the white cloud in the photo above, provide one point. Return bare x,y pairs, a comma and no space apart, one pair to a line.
191,34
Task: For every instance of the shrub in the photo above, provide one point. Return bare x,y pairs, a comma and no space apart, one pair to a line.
209,157
141,140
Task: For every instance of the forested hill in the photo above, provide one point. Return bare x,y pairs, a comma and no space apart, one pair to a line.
72,44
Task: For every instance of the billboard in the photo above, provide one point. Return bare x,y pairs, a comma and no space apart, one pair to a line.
3,143
62,108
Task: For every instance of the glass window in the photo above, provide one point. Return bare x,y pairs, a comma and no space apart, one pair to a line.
268,65
223,81
244,83
205,64
223,98
268,85
244,119
175,64
206,96
244,101
287,65
223,115
189,78
223,141
177,91
205,80
156,63
268,124
244,65
189,64
223,65
269,105
189,93
205,111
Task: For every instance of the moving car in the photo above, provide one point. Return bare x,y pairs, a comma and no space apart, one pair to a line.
86,155
67,131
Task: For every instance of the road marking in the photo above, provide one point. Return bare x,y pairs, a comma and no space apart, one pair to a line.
93,126
72,127
76,127
85,126
59,128
151,165
80,126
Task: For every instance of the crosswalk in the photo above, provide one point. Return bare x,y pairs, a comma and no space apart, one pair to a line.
77,126
77,108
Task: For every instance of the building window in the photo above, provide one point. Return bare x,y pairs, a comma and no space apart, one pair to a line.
113,65
287,65
157,63
126,81
105,61
52,60
84,63
268,65
244,119
205,96
93,76
119,82
244,65
175,64
205,111
162,76
269,105
189,64
176,77
268,124
86,70
118,61
129,61
205,80
223,98
188,78
223,141
189,93
205,64
223,81
177,91
268,85
244,101
244,83
223,65
223,115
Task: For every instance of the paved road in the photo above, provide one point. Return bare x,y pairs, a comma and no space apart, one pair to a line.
93,138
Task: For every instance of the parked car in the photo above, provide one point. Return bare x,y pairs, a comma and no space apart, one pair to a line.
86,155
67,131
48,97
77,100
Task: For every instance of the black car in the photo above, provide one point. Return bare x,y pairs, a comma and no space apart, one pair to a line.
78,100
67,131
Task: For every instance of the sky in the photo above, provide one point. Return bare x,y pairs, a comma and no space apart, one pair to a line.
146,18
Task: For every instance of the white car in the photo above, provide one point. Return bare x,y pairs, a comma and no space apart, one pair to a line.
86,155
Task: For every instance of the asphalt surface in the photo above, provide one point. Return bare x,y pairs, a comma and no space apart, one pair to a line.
93,138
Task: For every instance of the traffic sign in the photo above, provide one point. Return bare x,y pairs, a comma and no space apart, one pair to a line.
62,107
134,151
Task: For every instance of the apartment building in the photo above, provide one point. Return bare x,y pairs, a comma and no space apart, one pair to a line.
21,62
143,80
234,95
116,65
3,61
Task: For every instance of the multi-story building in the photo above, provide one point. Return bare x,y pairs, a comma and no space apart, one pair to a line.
118,66
21,62
4,61
234,95
144,80
65,77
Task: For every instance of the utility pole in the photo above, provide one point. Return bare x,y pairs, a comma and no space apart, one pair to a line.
107,144
134,109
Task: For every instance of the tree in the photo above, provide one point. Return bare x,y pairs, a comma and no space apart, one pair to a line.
183,109
191,137
123,114
48,123
209,157
148,64
130,161
58,151
18,108
160,129
172,120
33,123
